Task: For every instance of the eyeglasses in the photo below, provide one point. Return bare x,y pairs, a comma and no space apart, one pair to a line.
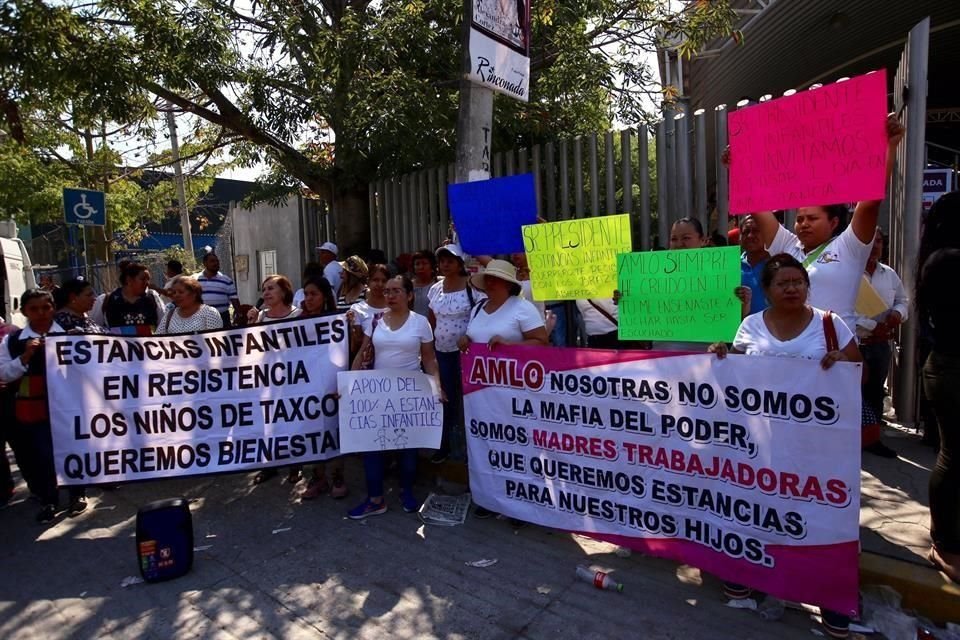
394,292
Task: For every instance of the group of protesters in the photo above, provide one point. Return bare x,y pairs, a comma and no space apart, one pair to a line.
798,297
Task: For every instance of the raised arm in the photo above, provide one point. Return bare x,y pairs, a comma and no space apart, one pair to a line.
864,222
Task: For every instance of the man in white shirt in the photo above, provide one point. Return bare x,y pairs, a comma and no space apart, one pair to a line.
332,270
875,333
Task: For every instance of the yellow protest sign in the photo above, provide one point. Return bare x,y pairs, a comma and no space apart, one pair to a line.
576,259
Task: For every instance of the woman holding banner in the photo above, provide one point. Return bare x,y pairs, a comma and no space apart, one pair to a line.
277,294
791,328
451,300
503,318
319,299
188,314
403,340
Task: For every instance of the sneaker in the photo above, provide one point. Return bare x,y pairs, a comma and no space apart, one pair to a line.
78,506
880,449
315,488
339,486
47,514
439,457
409,502
481,513
367,508
294,476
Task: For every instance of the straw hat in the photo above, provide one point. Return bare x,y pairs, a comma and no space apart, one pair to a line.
354,265
499,269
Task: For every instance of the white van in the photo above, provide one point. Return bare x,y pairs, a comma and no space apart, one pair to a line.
16,273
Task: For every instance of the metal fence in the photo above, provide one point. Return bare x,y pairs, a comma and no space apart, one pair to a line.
659,174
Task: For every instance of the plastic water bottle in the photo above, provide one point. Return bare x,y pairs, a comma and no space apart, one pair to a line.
599,579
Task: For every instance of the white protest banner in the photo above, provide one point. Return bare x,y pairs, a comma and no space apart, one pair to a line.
384,409
135,408
500,46
747,467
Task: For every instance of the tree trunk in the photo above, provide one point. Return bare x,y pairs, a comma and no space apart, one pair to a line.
351,220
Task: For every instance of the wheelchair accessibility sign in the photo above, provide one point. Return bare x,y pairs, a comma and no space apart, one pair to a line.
84,206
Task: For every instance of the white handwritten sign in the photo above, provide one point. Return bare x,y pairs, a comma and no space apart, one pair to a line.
388,409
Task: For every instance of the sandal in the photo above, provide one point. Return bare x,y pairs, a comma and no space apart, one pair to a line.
339,486
941,565
263,475
315,488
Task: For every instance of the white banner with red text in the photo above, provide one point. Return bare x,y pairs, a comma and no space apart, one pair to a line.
748,467
137,408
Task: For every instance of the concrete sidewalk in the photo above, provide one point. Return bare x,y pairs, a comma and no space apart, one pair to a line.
279,568
895,527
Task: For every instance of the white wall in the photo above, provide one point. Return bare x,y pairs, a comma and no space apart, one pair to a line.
261,229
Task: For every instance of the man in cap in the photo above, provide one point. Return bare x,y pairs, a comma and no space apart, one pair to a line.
332,270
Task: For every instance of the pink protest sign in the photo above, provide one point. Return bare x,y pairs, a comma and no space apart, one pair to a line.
816,147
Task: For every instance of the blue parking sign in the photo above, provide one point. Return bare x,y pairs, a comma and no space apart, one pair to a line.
84,206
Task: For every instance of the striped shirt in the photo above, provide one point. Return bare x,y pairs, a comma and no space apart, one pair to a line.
218,291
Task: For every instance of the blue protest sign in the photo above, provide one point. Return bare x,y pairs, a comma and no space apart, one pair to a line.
84,206
488,214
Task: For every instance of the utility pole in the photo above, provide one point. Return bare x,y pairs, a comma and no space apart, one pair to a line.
178,176
475,119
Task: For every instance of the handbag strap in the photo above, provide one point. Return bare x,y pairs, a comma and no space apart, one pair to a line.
604,313
830,332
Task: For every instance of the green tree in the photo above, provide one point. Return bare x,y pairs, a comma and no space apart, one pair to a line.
333,93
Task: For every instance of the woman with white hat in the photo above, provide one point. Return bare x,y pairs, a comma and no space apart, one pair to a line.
505,317
450,303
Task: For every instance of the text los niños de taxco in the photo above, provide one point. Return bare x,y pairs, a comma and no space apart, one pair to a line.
210,391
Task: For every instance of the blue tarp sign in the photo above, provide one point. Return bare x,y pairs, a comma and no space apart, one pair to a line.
488,214
84,206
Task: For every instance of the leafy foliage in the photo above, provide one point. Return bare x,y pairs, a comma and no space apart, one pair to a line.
330,93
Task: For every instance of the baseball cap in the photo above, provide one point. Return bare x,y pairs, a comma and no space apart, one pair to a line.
452,249
328,246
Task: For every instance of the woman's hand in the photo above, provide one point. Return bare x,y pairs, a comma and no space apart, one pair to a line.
32,345
494,341
895,131
252,315
719,348
549,321
616,296
463,343
745,296
830,358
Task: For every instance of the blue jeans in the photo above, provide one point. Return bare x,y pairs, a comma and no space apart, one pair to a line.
558,337
449,364
374,468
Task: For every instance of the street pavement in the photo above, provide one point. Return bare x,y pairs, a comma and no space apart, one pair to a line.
271,566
